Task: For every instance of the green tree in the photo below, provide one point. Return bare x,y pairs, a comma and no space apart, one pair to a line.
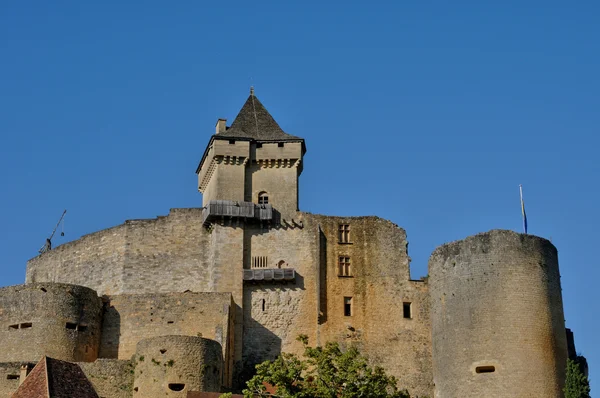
325,372
576,383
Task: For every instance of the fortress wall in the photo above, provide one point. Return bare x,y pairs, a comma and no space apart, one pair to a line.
58,320
167,254
132,318
10,377
496,302
275,313
170,366
226,259
94,260
379,286
111,378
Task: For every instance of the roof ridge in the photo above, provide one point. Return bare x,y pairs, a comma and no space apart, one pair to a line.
47,375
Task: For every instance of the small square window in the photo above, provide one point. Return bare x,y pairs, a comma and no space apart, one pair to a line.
407,310
280,144
259,145
71,325
232,141
344,233
347,306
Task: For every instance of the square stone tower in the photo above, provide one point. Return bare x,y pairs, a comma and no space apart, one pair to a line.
252,161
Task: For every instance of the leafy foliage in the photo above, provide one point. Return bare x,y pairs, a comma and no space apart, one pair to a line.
576,383
325,372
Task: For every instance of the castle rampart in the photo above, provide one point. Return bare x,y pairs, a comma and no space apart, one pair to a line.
497,320
170,366
133,257
130,318
59,320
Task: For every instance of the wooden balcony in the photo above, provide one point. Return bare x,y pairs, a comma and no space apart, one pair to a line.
269,275
228,209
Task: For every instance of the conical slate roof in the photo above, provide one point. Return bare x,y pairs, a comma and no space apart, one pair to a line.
255,122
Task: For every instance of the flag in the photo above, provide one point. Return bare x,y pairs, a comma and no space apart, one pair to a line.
523,210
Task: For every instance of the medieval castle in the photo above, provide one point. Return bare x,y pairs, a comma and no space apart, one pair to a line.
193,300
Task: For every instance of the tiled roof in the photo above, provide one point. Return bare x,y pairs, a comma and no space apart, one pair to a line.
52,378
34,385
66,380
255,122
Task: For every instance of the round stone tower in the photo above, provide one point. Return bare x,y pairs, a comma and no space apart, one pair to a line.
170,366
497,318
54,319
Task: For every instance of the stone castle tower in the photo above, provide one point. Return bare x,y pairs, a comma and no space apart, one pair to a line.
193,300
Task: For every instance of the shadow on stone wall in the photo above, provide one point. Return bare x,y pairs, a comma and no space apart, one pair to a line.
111,333
263,345
322,277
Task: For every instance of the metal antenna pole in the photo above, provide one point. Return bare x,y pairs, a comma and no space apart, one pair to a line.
48,245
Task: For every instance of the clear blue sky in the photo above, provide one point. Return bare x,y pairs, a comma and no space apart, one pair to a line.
427,113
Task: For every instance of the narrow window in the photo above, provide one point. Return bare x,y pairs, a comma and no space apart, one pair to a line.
280,144
407,310
26,325
344,266
71,325
485,369
82,328
263,198
12,377
170,322
13,326
176,386
263,305
347,306
232,141
344,233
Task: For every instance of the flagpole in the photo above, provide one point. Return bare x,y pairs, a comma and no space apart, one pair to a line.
523,209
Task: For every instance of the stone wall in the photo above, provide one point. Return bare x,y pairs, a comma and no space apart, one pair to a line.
94,261
378,286
111,378
10,377
497,317
275,170
276,313
166,254
59,320
170,366
131,318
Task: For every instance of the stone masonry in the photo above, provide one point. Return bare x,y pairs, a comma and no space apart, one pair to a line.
191,301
